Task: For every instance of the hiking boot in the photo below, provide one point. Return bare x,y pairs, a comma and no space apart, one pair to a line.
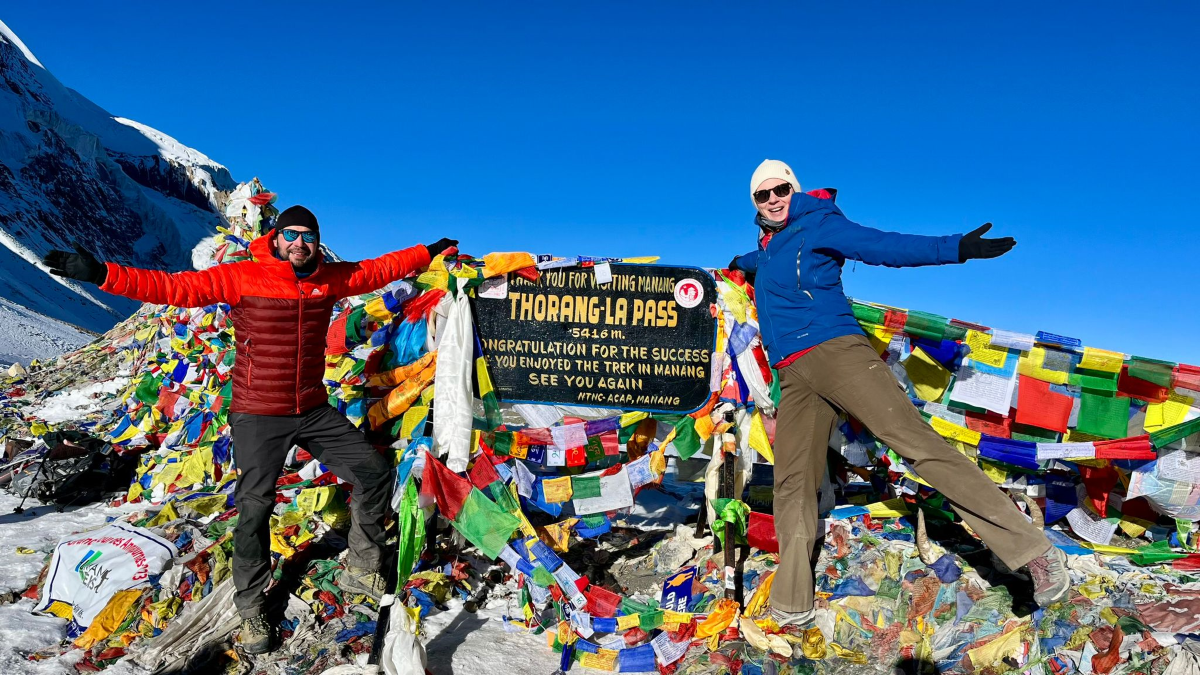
792,618
255,635
365,581
1050,578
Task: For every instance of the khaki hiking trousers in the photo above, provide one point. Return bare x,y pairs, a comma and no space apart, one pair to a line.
848,374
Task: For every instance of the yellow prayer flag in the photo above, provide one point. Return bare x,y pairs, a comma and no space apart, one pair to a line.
627,621
997,650
557,489
676,617
632,418
994,472
928,376
164,516
983,351
1032,364
1102,360
412,417
892,508
603,659
1108,550
315,499
759,441
377,309
954,432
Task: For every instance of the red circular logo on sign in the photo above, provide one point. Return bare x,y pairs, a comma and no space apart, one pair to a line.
688,293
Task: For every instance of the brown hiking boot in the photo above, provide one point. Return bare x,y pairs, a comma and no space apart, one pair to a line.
365,581
255,635
1051,581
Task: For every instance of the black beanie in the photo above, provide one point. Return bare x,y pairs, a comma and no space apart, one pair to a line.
297,216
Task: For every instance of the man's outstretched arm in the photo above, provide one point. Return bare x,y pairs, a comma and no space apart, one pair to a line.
368,275
181,289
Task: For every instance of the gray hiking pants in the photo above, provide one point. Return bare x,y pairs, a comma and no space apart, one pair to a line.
260,446
846,372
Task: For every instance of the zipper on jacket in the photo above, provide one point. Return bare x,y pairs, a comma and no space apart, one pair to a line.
799,285
250,364
299,345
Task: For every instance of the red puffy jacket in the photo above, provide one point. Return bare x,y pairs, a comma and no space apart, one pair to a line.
279,321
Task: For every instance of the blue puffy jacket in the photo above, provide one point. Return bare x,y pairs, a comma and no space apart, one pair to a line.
799,272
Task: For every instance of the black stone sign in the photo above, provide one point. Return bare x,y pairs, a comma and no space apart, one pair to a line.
642,341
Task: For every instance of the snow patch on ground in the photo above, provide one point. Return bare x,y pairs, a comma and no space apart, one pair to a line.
78,403
26,335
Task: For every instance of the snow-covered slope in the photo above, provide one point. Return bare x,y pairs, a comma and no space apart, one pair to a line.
70,171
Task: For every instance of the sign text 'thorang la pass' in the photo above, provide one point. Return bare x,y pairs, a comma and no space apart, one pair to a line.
642,341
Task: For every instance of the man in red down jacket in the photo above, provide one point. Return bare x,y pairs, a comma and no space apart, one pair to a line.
281,304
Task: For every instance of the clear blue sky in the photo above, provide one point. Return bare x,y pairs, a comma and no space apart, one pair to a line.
632,129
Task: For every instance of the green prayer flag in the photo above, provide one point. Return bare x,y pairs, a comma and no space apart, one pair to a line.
630,606
732,511
503,497
502,443
585,487
955,333
1156,553
925,325
147,389
1104,416
868,314
1152,370
411,524
625,433
648,621
1164,437
485,524
594,449
687,441
1094,380
542,577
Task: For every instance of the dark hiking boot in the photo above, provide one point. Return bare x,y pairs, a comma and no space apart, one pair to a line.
255,635
365,581
1050,577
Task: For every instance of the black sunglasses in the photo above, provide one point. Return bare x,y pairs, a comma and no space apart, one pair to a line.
782,190
291,235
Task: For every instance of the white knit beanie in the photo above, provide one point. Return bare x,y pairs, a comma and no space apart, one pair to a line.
772,168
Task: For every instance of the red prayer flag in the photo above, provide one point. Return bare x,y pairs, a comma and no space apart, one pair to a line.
1186,376
760,532
990,424
1138,447
576,456
335,339
611,443
483,473
1040,407
1135,387
602,602
444,487
1099,481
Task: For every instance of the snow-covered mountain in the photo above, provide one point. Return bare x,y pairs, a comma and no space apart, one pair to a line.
72,172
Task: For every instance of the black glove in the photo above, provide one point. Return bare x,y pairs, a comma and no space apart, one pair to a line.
732,263
82,265
973,245
438,247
